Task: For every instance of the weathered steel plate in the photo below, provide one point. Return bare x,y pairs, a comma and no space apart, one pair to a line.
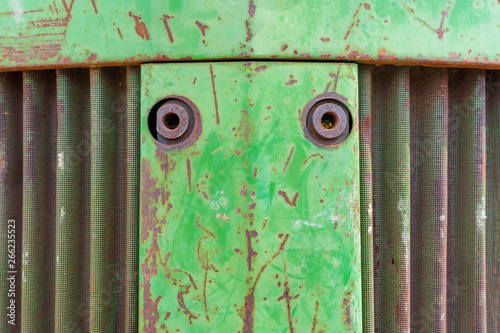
252,228
69,33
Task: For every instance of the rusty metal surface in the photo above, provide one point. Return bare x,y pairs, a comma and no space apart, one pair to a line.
39,201
50,33
252,228
69,178
429,202
11,197
326,120
174,122
434,188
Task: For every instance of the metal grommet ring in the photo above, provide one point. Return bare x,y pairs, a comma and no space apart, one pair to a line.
175,122
326,120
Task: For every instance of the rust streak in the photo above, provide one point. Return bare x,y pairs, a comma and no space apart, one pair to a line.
327,87
251,8
440,32
119,33
250,253
291,82
313,155
188,166
55,7
353,22
211,234
202,27
288,159
249,31
189,276
182,304
215,95
286,296
68,10
167,27
250,298
315,318
27,12
336,79
206,267
140,27
95,7
292,203
260,68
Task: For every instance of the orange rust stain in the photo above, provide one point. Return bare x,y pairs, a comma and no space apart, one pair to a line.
95,7
140,26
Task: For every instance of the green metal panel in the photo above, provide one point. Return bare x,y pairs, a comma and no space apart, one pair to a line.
69,32
253,227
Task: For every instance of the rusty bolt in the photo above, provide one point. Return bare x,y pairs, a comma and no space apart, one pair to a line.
326,120
329,120
172,120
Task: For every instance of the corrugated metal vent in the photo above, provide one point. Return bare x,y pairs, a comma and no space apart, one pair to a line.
69,150
430,196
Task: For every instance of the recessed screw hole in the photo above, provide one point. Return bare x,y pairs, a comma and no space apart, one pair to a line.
171,121
329,120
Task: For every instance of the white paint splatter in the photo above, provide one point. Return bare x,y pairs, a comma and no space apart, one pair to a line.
403,210
223,216
442,218
18,9
299,223
63,213
370,230
220,201
481,216
370,211
60,160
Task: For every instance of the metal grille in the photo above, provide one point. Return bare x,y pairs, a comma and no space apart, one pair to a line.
431,227
69,151
430,164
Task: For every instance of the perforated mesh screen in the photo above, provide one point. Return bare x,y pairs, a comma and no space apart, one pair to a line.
11,190
436,236
69,162
39,200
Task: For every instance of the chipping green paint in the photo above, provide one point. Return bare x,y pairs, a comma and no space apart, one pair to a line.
69,32
194,239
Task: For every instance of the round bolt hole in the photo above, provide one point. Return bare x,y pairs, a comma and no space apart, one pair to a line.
329,120
171,121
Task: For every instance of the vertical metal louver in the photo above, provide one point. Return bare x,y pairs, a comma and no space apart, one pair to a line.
69,151
430,199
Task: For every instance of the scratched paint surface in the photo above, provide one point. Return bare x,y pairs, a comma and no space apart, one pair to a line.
252,228
70,32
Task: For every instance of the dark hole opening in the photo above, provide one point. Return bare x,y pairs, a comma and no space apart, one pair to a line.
171,121
329,120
